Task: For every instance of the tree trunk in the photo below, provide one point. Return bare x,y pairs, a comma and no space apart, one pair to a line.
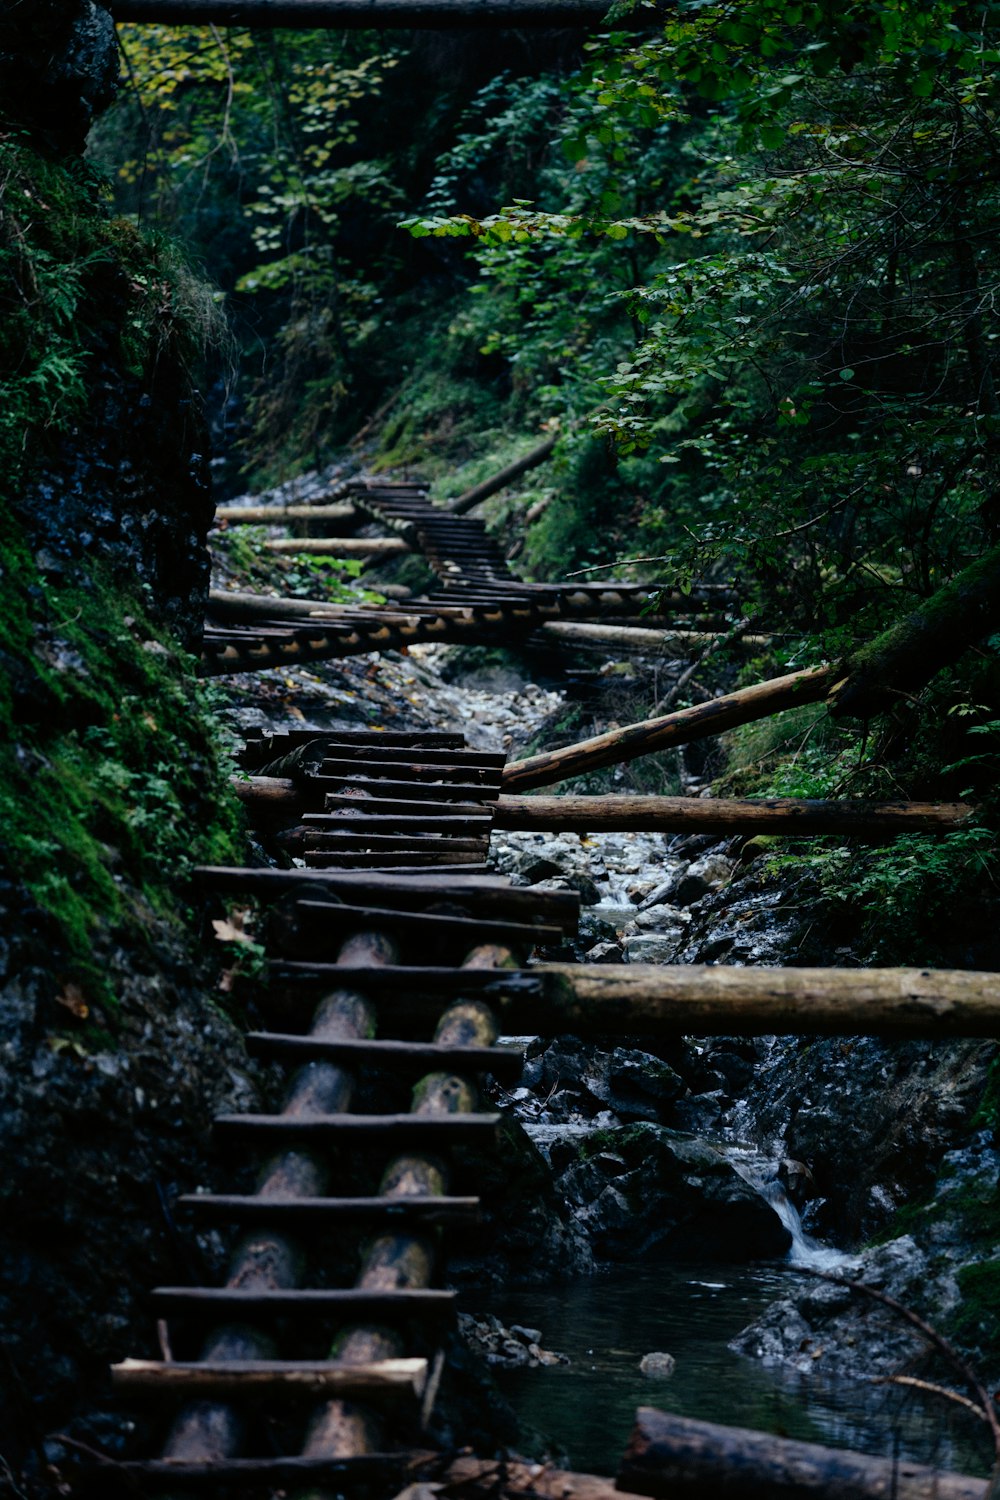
903,659
789,815
679,728
505,476
681,1459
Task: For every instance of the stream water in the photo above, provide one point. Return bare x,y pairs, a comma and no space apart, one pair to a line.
606,1323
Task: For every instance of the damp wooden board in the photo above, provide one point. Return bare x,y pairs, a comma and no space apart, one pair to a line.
321,919
396,979
270,1377
374,754
404,1131
424,791
376,822
492,892
237,1208
412,864
240,1475
341,1302
426,840
336,802
362,771
505,1063
418,739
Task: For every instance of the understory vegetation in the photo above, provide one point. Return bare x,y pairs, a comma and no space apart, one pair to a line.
110,779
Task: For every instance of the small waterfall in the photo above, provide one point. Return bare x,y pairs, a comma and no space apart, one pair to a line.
761,1174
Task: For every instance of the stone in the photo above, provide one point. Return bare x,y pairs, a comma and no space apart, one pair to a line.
605,953
651,947
657,1365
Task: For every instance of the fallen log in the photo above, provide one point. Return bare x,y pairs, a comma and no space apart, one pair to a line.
635,638
723,815
680,728
717,1000
681,1459
906,657
503,477
277,515
367,14
342,546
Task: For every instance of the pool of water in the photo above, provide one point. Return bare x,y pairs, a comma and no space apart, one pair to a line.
607,1323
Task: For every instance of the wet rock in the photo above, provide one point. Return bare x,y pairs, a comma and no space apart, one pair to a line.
702,878
657,1365
797,1180
651,947
641,1085
511,1348
668,1190
605,953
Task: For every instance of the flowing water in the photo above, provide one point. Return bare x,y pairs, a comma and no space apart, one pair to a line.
607,1323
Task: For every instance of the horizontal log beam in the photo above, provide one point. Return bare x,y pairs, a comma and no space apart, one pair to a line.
366,14
271,1377
680,728
277,515
681,1459
639,638
712,1000
342,546
725,815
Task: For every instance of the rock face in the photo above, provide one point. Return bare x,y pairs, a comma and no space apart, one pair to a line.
58,67
98,1136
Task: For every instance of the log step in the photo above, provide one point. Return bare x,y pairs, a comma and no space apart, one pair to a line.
425,790
409,980
363,772
415,862
241,1475
489,893
348,1303
364,821
410,1131
302,1213
321,921
271,1378
426,840
504,1063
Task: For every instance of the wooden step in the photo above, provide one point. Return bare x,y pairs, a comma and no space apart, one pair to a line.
364,772
504,1063
239,1477
271,1378
409,979
488,893
322,923
345,1303
387,823
406,1132
318,1213
410,863
424,791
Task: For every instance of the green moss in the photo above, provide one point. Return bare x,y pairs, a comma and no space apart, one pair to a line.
977,1321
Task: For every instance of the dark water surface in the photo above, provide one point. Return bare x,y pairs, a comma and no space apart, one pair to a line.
607,1323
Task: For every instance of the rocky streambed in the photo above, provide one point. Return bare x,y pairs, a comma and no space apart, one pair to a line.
717,1169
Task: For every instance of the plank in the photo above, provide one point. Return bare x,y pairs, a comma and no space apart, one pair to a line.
502,1062
319,921
407,1132
341,1302
365,772
302,1213
413,863
271,1378
442,791
239,1475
